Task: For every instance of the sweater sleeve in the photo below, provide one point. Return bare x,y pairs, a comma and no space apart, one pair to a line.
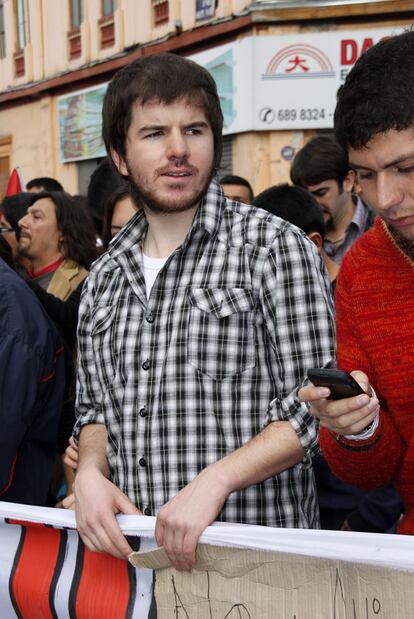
373,462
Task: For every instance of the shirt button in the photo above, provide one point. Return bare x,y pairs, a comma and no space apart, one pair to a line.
147,511
143,411
146,365
142,462
150,318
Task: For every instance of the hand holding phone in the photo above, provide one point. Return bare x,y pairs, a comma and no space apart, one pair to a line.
341,384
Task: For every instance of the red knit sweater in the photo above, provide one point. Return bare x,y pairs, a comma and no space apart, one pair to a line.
374,305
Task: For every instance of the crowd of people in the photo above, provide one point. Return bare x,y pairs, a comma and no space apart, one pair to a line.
155,335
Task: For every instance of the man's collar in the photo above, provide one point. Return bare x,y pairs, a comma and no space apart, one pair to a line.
360,214
44,270
208,216
210,211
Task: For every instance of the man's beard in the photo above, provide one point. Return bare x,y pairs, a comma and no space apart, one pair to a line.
148,199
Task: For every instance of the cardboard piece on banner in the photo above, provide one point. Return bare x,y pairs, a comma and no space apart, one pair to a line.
236,583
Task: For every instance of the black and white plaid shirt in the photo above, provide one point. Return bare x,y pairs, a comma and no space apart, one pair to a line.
236,316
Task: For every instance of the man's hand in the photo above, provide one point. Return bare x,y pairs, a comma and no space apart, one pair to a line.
97,502
181,521
68,502
348,416
71,455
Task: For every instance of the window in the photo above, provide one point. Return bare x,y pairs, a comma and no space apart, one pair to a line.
109,7
107,23
226,163
2,31
160,11
74,34
76,13
21,25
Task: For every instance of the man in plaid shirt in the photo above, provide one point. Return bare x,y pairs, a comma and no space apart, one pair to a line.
196,330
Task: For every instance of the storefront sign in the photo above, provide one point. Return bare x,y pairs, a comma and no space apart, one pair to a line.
285,81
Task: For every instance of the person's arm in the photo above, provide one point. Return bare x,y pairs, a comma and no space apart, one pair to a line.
297,311
64,313
183,519
20,371
97,499
379,455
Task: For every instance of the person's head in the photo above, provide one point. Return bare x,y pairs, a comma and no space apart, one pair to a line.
57,226
237,188
296,205
43,183
374,122
12,209
118,211
322,168
162,126
103,181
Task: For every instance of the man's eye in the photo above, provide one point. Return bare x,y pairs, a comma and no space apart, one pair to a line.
364,175
193,131
406,170
154,134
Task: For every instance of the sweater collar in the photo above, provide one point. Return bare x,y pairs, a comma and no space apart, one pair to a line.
406,246
47,269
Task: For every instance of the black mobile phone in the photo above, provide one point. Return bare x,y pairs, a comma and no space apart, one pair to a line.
341,384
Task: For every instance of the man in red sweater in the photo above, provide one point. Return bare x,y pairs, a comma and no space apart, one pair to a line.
368,439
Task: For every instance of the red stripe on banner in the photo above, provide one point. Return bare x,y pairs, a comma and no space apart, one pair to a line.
104,588
34,572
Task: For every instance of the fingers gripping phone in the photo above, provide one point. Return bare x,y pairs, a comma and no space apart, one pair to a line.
341,384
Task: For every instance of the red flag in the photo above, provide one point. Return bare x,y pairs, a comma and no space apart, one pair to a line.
14,184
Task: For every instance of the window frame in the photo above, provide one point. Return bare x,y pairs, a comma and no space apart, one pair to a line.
22,37
76,14
109,7
2,31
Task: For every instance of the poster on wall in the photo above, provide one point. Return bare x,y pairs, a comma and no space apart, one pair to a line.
80,124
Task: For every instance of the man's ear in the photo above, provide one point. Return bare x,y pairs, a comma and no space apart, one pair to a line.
119,162
349,181
316,238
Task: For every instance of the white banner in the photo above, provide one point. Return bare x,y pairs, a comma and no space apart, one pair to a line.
46,572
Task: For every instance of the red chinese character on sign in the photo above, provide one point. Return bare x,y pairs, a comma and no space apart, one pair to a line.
297,62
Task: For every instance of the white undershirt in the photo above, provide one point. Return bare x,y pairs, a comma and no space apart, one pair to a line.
152,266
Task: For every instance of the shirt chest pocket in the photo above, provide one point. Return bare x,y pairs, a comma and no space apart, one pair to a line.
221,340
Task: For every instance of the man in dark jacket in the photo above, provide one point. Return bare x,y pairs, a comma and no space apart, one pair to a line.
32,381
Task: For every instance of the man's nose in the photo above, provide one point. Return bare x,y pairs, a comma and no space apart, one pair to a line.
177,146
389,192
22,223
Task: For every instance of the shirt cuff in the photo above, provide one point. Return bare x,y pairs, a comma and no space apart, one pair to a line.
304,424
368,432
91,417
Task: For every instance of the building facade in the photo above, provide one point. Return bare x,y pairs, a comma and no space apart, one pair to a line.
278,65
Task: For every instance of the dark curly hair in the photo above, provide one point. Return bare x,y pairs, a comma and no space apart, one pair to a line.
378,93
76,226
